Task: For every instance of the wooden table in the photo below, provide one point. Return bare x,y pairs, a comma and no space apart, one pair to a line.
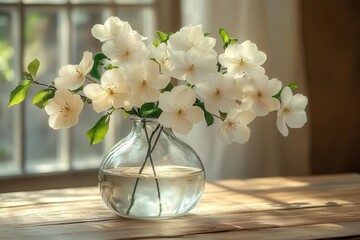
319,207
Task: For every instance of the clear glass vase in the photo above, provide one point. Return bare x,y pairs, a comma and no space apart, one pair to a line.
151,174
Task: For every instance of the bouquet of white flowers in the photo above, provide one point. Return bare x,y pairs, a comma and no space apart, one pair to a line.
135,78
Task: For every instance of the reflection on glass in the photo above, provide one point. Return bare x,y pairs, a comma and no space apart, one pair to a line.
41,42
7,83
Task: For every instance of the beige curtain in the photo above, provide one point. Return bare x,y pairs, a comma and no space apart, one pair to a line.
274,26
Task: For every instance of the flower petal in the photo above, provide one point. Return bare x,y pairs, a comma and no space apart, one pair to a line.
285,96
260,108
179,42
241,135
151,68
166,102
296,119
223,134
298,102
101,103
98,31
86,63
246,117
176,122
53,121
52,107
160,82
93,90
149,94
194,114
281,125
184,96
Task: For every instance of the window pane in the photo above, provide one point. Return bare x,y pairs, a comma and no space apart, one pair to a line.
83,19
9,1
141,19
135,1
90,1
7,83
41,42
45,1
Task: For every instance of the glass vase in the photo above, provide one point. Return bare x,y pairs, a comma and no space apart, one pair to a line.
151,174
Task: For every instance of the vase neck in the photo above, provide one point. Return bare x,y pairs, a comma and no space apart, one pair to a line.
151,124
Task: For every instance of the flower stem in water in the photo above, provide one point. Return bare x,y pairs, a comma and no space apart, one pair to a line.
148,156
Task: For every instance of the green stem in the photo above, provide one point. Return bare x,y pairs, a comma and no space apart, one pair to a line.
43,84
148,155
153,167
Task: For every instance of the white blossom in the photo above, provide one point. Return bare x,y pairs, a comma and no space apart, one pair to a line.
189,37
112,92
162,56
145,80
234,128
112,28
244,58
218,92
193,65
178,110
257,92
64,109
292,112
73,76
125,49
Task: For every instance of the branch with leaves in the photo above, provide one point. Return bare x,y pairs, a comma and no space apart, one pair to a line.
135,78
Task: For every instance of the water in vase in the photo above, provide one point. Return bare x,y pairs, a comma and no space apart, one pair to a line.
135,195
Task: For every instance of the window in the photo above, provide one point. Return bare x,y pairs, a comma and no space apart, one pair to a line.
56,32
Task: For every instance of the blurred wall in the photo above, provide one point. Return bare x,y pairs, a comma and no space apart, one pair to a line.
331,37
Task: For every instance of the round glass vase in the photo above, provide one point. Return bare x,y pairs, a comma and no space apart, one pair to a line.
151,174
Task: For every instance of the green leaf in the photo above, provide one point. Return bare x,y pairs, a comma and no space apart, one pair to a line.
97,133
209,118
97,62
232,41
156,42
293,86
150,110
207,34
168,88
223,115
124,113
147,107
155,113
42,97
224,35
163,36
27,76
33,67
277,96
19,93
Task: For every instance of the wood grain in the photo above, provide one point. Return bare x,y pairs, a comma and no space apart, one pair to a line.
265,208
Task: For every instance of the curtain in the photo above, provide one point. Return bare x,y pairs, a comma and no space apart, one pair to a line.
274,26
